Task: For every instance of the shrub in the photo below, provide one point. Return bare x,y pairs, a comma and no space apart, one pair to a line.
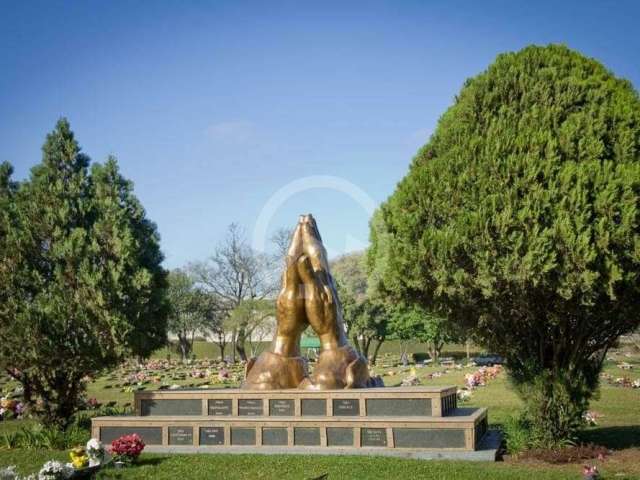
519,220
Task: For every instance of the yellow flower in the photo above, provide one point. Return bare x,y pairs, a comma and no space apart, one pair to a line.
79,458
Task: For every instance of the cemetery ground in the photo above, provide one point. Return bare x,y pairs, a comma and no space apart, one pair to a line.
616,413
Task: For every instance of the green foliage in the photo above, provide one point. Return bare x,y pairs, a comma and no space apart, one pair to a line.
81,281
365,315
37,436
192,310
519,220
517,434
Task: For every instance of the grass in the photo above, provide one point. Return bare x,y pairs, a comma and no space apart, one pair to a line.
283,467
619,429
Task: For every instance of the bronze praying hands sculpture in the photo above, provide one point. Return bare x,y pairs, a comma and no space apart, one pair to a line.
308,297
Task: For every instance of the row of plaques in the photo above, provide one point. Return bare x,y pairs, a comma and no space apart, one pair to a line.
247,407
302,436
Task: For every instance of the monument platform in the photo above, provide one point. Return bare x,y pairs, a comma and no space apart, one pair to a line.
402,421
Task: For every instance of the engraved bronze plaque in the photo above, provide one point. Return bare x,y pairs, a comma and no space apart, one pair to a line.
274,436
428,438
281,408
170,407
339,437
346,407
250,407
150,435
309,436
211,435
220,407
313,407
373,437
398,407
243,436
180,435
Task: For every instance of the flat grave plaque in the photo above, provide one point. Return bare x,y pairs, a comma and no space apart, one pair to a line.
281,407
398,407
243,436
346,407
250,407
313,407
171,407
373,437
220,407
211,435
150,435
180,435
274,436
339,437
428,438
309,436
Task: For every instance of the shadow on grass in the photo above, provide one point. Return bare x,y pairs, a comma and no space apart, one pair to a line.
616,438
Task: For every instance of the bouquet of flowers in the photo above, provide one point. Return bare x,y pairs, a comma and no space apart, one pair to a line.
79,458
54,470
127,448
95,452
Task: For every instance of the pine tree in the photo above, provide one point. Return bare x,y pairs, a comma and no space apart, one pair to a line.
82,277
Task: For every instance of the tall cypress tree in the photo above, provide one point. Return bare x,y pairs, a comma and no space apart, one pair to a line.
82,277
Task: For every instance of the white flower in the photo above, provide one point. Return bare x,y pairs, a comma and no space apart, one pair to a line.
9,473
54,470
95,452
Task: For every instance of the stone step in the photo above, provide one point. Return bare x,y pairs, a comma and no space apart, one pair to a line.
366,402
462,430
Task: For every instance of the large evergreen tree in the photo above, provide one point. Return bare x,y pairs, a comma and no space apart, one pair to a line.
520,219
80,277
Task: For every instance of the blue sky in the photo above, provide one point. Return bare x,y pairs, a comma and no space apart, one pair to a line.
254,112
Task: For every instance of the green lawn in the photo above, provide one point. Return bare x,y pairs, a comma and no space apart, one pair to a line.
296,467
619,429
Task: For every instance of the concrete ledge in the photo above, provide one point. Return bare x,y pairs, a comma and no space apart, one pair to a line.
487,450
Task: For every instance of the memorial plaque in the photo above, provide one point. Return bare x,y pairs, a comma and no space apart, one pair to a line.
339,437
250,407
398,407
274,436
171,407
313,407
346,407
180,435
220,407
428,438
150,435
243,436
373,437
281,408
211,435
309,436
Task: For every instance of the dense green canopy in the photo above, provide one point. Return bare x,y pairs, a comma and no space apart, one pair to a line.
81,280
520,219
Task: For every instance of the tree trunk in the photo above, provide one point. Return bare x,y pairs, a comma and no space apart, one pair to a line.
234,333
185,347
240,344
374,358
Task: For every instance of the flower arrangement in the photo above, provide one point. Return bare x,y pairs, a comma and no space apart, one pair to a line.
54,470
79,458
95,451
10,408
591,418
127,448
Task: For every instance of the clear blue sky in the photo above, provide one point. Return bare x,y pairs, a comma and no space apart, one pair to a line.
213,107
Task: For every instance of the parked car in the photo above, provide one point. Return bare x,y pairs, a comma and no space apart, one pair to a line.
488,360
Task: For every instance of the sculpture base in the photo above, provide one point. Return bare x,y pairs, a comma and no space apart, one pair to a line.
382,419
